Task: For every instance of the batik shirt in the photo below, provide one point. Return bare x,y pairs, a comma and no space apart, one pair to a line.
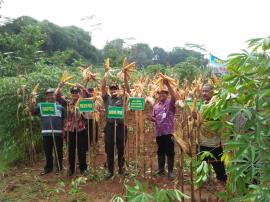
164,117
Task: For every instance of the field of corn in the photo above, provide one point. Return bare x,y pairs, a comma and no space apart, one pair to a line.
241,114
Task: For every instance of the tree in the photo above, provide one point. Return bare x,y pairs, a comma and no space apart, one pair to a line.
159,56
142,54
188,69
21,50
57,38
178,55
115,51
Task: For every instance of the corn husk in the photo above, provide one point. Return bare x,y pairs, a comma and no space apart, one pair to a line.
178,136
65,78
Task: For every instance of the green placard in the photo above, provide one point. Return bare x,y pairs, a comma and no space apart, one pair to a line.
198,104
115,112
47,109
136,103
86,105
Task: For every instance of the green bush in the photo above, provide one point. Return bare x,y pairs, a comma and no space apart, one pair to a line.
20,132
243,105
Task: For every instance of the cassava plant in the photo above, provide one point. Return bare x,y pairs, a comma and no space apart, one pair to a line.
243,106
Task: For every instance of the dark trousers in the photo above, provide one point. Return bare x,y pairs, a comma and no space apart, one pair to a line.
48,147
165,147
217,164
90,128
81,149
120,144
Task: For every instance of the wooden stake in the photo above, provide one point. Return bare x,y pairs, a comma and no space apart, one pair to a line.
68,134
88,133
55,148
136,138
94,140
76,142
114,142
143,131
191,164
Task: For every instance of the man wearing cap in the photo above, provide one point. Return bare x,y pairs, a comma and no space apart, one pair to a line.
211,140
75,125
114,100
163,116
51,125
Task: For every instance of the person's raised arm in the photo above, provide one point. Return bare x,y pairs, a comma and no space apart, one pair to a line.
171,91
126,83
58,89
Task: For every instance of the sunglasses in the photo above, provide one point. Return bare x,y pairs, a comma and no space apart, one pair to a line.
74,92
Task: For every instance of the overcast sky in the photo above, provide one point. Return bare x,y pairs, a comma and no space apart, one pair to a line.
222,25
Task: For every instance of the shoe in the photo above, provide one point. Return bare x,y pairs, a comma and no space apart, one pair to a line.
109,175
122,172
57,172
45,172
85,172
161,165
160,172
171,175
70,173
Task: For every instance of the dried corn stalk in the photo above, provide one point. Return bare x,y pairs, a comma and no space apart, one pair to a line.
107,65
126,68
179,138
159,82
34,94
88,74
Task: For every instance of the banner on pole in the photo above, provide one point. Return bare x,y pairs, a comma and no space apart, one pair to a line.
86,105
47,109
136,103
115,112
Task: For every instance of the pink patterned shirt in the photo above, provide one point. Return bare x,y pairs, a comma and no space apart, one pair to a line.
164,117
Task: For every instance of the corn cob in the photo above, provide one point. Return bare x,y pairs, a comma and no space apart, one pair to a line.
183,144
107,65
65,78
70,84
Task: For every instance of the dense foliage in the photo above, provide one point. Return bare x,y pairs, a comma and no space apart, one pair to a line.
243,106
55,38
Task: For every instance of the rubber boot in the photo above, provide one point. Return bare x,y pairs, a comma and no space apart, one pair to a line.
161,164
110,163
170,162
120,165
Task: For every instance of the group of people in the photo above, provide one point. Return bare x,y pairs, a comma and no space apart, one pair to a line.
68,120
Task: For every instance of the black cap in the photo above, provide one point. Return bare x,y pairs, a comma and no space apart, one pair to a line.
90,89
114,85
74,89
